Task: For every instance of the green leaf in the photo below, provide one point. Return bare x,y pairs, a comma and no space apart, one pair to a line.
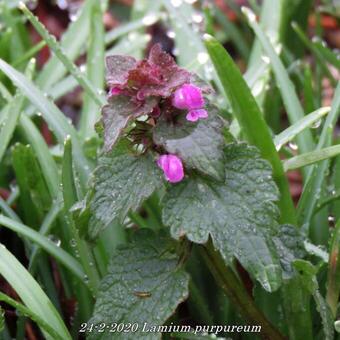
289,243
303,123
319,56
95,71
72,43
59,254
70,198
10,120
144,284
30,292
311,157
53,116
23,310
34,197
42,153
239,214
62,56
250,119
310,194
199,145
308,278
120,183
286,86
333,277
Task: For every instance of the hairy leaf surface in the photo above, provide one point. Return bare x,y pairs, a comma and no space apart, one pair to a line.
144,284
290,246
240,214
120,183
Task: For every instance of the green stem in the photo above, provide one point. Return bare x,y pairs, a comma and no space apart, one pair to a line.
198,303
333,279
235,291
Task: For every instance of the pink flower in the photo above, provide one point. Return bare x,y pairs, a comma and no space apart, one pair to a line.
114,91
172,167
188,97
195,115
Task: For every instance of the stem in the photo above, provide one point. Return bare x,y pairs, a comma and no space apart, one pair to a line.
333,279
235,291
199,304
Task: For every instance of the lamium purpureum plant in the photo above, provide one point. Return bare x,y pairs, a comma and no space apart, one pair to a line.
164,138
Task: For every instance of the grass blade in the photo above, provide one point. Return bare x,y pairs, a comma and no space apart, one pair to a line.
330,56
286,86
54,117
9,122
95,72
291,132
69,65
315,179
30,292
333,278
72,43
24,311
70,198
311,157
306,41
30,53
234,33
124,29
250,119
59,254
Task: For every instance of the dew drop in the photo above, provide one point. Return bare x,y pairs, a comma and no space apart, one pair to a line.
32,4
175,51
55,240
316,124
73,242
202,57
197,18
149,19
73,12
171,34
265,59
62,4
249,14
293,146
176,3
331,220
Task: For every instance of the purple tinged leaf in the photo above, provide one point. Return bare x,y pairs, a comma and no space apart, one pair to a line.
117,114
172,167
118,67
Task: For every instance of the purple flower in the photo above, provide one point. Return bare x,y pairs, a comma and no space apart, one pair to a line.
188,97
172,167
195,115
114,91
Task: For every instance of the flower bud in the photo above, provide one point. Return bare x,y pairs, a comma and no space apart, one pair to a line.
114,91
172,167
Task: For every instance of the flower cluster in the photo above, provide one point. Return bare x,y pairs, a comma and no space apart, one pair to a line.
153,86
